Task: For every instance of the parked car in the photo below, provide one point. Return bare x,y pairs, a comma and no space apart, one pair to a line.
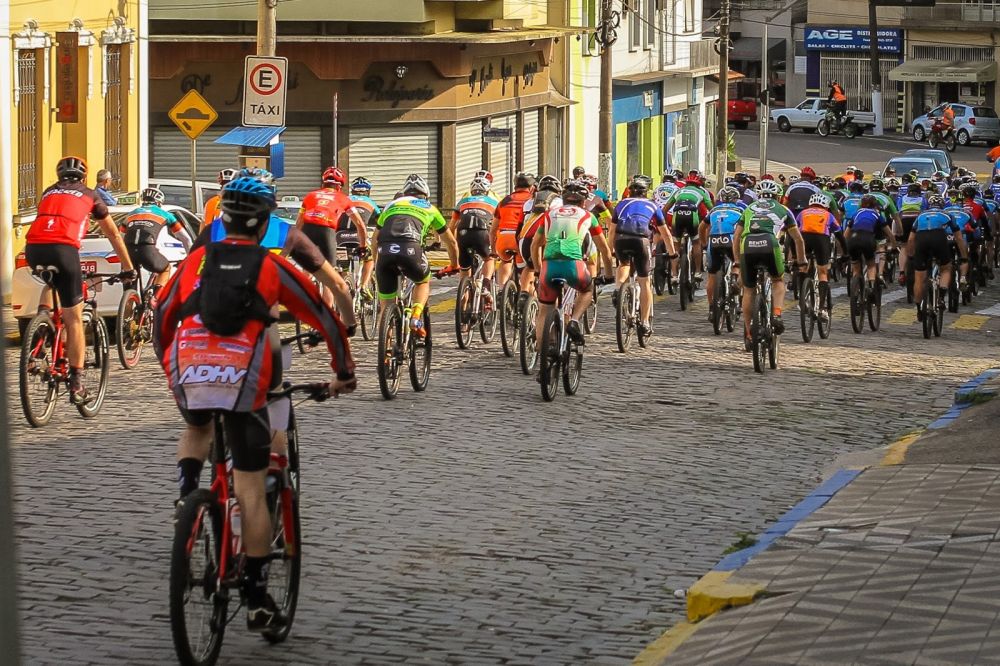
288,208
96,255
972,123
942,158
807,114
925,166
742,112
178,192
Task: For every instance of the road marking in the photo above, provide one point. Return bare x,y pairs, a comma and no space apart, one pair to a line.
880,150
447,305
969,322
829,143
904,317
894,296
436,291
991,311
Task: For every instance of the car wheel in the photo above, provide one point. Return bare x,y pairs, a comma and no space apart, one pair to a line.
963,138
784,125
919,134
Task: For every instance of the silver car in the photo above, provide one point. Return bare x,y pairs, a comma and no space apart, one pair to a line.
972,123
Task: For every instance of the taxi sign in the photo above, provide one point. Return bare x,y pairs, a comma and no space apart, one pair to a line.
264,90
193,114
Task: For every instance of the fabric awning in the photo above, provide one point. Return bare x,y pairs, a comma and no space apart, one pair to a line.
256,137
944,70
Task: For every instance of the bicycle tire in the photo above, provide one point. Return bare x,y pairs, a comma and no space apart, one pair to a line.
758,333
659,274
929,310
509,325
807,315
717,305
369,316
875,307
128,334
389,362
36,362
285,513
684,278
489,320
185,585
773,347
549,357
939,315
590,314
823,127
572,368
824,304
528,345
463,312
953,293
623,324
97,356
423,348
732,304
857,304
303,345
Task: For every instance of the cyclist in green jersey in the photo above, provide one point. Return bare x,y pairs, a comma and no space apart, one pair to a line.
402,229
877,188
758,244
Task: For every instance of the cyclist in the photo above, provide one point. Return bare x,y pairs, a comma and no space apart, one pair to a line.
471,224
816,224
798,194
757,233
321,213
863,230
685,211
507,222
910,205
212,205
633,221
53,241
933,232
716,232
347,234
211,337
546,197
141,229
886,203
402,229
560,249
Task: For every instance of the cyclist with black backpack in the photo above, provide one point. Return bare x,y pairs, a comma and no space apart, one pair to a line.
212,337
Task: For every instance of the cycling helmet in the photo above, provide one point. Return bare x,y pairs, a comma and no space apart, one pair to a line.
695,178
71,168
819,200
334,176
852,169
996,178
575,191
590,181
486,175
246,205
908,178
361,184
869,201
524,179
857,186
728,194
935,201
742,177
892,183
579,172
226,175
876,185
839,183
549,184
952,193
793,179
261,175
808,172
416,186
962,171
970,191
479,185
152,195
639,187
668,177
768,189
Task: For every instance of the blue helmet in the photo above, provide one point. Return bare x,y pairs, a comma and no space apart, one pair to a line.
263,175
361,184
246,205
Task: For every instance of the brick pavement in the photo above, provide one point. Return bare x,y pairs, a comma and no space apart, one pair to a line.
534,533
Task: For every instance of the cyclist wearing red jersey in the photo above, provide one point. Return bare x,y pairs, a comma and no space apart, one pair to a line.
53,240
321,211
211,336
507,222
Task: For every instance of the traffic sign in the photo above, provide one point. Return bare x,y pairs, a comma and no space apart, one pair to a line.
264,91
193,114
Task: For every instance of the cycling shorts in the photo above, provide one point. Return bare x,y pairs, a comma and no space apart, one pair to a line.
931,245
684,221
323,237
405,258
720,246
524,258
507,246
861,246
907,221
65,259
761,250
471,242
573,271
148,257
248,435
820,246
634,250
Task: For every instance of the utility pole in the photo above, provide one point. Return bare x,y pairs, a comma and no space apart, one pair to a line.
606,129
876,68
722,132
765,101
267,27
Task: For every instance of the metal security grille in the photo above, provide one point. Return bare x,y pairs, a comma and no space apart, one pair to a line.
27,131
856,77
964,53
114,113
529,151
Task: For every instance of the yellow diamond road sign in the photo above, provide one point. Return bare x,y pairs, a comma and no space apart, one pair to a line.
193,114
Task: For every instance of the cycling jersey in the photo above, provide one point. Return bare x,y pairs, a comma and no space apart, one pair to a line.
566,229
663,191
324,207
634,217
797,196
933,220
142,226
851,205
597,197
886,204
409,219
212,210
534,209
475,212
866,220
366,207
510,211
722,219
817,220
911,205
693,195
766,216
975,209
64,214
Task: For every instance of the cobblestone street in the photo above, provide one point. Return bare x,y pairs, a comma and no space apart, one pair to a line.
475,523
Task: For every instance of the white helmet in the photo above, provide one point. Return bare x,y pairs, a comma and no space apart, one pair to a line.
768,188
819,200
417,186
479,184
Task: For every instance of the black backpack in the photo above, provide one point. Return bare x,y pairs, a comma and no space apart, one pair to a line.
227,297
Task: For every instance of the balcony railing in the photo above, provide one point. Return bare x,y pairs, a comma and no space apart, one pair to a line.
976,11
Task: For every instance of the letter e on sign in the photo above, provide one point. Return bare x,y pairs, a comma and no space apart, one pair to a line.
264,91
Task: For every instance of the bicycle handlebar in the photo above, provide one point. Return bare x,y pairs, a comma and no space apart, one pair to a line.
310,337
318,391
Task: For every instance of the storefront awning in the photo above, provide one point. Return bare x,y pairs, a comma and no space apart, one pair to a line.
733,76
641,78
944,71
256,137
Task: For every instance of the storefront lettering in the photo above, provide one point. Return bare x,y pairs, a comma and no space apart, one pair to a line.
481,77
196,82
396,92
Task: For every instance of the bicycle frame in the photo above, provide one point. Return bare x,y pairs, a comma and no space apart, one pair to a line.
60,363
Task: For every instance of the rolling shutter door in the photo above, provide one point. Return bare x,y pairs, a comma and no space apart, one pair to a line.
386,155
468,154
303,161
500,155
529,162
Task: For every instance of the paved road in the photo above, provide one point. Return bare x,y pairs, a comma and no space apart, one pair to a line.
474,523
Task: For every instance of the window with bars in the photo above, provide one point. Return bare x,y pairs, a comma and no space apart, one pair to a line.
968,53
115,102
27,130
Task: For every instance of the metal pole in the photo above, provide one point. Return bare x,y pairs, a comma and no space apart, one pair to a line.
722,133
876,68
9,643
194,174
267,27
336,123
606,128
765,98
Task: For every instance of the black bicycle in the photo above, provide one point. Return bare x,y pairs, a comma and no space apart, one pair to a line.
866,301
559,357
725,306
814,303
764,342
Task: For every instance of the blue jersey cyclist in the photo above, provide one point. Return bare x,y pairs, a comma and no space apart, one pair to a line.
716,233
930,241
864,229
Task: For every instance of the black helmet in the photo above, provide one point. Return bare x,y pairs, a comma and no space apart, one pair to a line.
246,205
524,180
576,190
970,191
869,201
857,186
639,185
579,172
935,201
876,185
71,168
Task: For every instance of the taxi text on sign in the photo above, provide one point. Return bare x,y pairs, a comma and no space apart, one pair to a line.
193,114
264,88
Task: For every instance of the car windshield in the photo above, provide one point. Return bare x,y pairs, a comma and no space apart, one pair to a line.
925,168
805,105
984,112
177,195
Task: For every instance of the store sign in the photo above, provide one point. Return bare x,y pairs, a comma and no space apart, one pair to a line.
852,39
497,135
68,77
376,89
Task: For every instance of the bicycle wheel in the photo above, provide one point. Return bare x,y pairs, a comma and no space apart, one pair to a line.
932,139
623,318
660,273
732,304
717,305
420,356
489,318
951,143
807,314
823,127
857,303
939,316
685,280
304,345
197,604
128,329
929,309
390,327
875,307
463,312
758,328
773,347
509,328
285,558
590,314
953,293
528,345
548,357
909,281
572,368
368,315
37,386
96,358
824,305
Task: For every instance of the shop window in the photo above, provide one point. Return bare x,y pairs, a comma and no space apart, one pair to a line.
27,130
114,114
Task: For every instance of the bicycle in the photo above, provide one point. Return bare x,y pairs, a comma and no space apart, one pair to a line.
43,369
813,301
589,318
661,274
134,325
510,314
627,313
207,555
764,342
474,306
527,344
685,276
364,300
954,293
725,307
932,304
865,301
559,355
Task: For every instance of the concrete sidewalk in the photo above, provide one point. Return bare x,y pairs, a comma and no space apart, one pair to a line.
895,564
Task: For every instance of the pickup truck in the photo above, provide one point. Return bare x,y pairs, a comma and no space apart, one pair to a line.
742,112
807,114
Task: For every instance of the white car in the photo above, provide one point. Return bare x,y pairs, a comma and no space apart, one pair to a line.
96,255
178,192
807,114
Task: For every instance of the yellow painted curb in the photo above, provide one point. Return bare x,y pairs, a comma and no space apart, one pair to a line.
447,305
656,653
897,450
713,592
904,316
969,322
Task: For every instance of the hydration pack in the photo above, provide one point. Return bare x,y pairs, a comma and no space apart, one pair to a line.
226,297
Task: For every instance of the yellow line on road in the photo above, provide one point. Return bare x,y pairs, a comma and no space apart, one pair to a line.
447,305
904,316
896,452
656,653
969,322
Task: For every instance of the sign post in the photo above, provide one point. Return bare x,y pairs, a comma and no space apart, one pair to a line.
193,115
264,91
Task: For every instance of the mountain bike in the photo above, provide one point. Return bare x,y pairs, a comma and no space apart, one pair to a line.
954,293
510,314
661,273
558,355
814,299
364,299
527,344
43,370
475,305
628,313
589,318
725,307
208,555
764,342
134,325
685,274
866,301
932,305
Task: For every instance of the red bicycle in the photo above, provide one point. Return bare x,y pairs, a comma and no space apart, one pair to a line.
43,371
208,555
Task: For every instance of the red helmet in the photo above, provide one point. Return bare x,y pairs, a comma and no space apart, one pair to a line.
808,172
767,176
334,176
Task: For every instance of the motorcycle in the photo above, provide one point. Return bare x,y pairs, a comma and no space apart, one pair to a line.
939,134
829,125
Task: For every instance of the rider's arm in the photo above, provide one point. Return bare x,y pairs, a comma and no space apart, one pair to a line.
110,229
359,224
169,306
330,278
178,231
441,227
538,245
800,246
737,236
